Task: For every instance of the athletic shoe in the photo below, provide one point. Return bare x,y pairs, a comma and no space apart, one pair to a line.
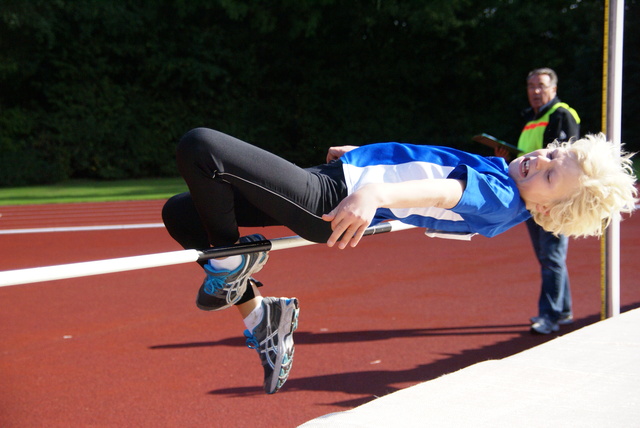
222,289
273,340
544,326
564,319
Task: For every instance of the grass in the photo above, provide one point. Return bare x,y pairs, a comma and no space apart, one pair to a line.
93,191
100,191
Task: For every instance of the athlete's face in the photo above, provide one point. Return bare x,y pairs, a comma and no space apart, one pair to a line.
540,91
545,176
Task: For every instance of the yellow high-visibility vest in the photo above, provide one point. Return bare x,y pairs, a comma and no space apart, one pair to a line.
532,134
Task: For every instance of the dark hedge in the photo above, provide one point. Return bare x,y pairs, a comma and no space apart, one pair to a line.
104,89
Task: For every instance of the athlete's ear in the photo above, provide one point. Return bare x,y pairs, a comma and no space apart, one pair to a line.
543,209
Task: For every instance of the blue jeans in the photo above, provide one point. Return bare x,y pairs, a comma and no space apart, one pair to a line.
551,251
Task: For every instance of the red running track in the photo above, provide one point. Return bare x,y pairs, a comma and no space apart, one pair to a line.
132,350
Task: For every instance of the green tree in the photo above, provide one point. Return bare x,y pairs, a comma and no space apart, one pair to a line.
104,89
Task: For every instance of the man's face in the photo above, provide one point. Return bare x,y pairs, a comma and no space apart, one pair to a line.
540,91
545,176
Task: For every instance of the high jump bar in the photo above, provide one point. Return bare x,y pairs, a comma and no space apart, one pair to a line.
123,264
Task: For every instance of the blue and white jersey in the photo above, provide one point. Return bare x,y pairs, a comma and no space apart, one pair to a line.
490,203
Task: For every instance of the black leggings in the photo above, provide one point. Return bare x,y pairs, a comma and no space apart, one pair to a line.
234,184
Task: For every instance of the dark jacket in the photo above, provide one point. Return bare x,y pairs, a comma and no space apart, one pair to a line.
562,125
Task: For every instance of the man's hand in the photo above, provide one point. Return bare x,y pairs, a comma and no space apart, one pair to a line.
502,152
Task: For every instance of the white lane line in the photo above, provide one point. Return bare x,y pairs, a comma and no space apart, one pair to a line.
93,228
81,228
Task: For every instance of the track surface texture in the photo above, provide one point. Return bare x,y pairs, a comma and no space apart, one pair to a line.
132,350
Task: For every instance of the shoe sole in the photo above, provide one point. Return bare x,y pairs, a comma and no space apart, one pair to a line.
288,324
565,321
561,321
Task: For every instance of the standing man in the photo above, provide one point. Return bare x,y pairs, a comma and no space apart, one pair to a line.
548,119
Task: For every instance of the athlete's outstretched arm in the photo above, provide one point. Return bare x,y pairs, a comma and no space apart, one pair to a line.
354,214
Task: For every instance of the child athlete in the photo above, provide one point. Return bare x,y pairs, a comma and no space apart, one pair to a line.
569,188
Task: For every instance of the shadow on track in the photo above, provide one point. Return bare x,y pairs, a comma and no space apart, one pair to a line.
376,383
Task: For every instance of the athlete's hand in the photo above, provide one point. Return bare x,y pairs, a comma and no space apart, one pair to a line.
336,152
351,217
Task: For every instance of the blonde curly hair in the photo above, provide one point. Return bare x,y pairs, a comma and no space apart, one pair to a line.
607,187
